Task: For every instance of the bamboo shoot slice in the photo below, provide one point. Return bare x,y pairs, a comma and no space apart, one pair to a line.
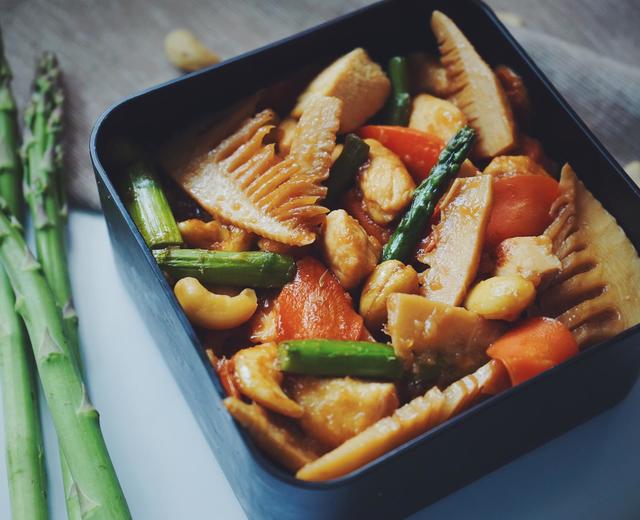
408,422
243,182
476,89
595,293
459,240
417,324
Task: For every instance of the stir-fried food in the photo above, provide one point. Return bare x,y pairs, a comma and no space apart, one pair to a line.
386,254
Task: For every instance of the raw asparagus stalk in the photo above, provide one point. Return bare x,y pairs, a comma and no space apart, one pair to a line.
42,153
354,153
246,269
148,206
74,417
325,357
10,167
400,101
426,196
23,438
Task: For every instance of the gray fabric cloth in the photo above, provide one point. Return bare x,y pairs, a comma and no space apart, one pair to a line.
111,49
604,92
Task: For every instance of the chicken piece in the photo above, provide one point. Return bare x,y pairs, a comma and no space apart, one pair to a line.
336,409
258,377
385,183
243,182
475,89
389,277
428,75
286,133
459,239
530,257
215,236
350,253
358,82
436,116
276,438
595,294
409,421
417,325
510,165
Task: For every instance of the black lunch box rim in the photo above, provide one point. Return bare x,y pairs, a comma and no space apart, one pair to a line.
267,465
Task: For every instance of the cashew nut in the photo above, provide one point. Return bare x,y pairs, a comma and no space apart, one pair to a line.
259,378
187,52
214,311
501,297
388,277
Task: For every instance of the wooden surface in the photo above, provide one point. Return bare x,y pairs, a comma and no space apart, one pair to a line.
112,48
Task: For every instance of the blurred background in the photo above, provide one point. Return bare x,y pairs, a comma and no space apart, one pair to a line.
109,49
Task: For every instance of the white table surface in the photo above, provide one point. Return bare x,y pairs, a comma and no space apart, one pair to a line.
168,472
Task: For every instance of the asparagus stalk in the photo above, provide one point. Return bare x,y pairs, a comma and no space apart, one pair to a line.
42,164
74,417
23,438
148,206
326,357
10,171
354,153
246,269
400,100
426,196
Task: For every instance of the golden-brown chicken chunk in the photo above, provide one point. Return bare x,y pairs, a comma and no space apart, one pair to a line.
530,257
436,116
510,165
336,409
348,250
386,185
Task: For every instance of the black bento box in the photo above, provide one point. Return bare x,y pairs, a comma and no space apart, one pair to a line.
466,447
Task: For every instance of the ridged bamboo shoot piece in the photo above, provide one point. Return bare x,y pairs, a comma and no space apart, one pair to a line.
243,182
595,293
475,89
409,421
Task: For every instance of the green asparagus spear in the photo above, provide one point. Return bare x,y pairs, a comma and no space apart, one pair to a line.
74,417
247,269
326,357
399,104
354,153
148,206
44,193
23,437
426,196
10,167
